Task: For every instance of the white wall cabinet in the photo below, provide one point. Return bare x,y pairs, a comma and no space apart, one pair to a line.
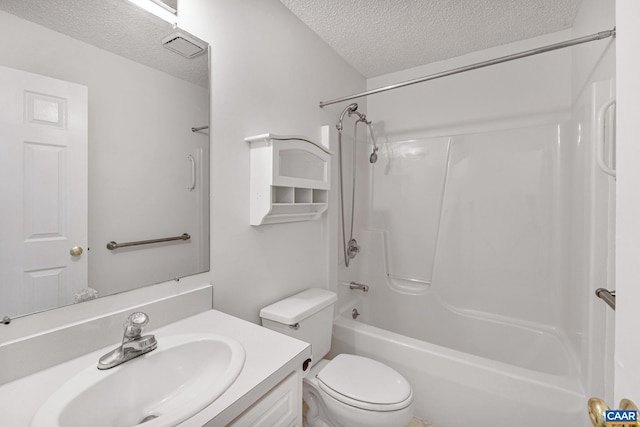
281,406
290,178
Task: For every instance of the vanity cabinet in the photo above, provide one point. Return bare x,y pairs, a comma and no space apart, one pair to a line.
281,406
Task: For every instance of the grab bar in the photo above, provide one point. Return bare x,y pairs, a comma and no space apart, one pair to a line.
609,297
192,184
199,128
113,245
600,139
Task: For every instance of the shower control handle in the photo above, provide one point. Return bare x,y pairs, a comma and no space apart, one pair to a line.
353,248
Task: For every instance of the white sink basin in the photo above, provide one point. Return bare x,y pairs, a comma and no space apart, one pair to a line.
162,388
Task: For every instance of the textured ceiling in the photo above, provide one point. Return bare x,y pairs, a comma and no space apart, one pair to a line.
116,26
382,36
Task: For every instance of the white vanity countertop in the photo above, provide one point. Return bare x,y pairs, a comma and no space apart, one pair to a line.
270,357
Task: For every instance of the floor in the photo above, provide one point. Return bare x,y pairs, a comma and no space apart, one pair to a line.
416,422
420,423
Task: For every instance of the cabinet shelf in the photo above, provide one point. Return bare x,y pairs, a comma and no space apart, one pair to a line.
290,178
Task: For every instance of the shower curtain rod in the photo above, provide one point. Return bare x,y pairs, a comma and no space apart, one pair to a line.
568,43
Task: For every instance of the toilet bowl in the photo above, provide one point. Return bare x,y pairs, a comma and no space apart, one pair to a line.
349,390
354,391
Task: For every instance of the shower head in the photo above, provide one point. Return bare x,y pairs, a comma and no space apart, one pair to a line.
374,155
350,109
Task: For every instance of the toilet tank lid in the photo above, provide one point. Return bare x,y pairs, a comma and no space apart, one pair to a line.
298,307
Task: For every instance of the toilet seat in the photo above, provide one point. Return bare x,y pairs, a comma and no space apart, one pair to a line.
365,384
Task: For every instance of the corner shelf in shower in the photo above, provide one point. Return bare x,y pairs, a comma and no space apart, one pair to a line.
289,178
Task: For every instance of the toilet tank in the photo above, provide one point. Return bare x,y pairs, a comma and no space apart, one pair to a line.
307,316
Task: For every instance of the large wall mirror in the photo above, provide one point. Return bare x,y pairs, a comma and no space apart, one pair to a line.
104,113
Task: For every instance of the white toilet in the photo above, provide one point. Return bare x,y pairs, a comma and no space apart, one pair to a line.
348,391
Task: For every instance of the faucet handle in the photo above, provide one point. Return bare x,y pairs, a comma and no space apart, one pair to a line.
135,323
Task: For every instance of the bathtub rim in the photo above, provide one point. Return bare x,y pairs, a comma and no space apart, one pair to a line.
567,383
347,300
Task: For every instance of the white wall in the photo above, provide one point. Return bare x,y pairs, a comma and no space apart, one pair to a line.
501,96
627,347
592,62
269,72
140,123
588,196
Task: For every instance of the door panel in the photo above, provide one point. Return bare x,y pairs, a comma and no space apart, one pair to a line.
627,344
43,185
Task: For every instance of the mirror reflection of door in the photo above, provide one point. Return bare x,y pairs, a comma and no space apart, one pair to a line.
43,167
142,155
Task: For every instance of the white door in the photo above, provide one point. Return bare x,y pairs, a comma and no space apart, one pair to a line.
43,191
627,347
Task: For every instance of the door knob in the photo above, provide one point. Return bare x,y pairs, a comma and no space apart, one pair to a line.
597,408
598,413
75,251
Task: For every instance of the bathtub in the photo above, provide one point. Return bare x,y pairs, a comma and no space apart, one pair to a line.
456,388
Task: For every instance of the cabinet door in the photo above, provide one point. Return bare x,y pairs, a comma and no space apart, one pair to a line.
282,406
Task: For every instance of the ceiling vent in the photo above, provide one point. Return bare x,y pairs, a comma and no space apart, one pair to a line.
184,45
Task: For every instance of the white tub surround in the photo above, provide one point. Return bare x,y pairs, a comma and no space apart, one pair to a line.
429,317
271,360
483,230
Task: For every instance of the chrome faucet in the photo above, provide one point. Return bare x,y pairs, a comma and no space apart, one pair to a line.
133,343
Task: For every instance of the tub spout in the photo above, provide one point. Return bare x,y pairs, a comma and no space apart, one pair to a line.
360,286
